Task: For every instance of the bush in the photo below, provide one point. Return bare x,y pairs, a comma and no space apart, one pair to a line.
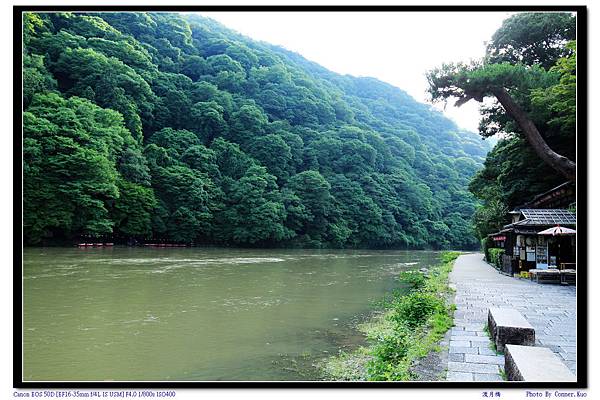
416,307
496,257
390,353
484,249
393,346
486,244
449,256
415,279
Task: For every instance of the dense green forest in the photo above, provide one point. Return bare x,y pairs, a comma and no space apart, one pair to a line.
155,126
531,59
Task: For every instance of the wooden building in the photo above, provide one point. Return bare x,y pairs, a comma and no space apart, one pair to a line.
525,249
562,196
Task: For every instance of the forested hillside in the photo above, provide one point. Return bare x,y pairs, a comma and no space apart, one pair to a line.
153,126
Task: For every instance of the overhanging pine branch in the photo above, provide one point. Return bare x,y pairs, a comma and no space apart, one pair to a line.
560,163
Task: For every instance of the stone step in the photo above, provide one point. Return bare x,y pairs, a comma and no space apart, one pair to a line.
507,325
534,364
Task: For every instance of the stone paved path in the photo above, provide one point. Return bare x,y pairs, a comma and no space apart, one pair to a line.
550,309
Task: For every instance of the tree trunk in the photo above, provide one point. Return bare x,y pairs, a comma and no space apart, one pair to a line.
560,163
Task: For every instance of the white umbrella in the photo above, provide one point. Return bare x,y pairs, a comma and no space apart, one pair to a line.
557,230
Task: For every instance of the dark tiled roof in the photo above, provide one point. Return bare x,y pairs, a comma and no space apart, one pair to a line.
540,216
562,194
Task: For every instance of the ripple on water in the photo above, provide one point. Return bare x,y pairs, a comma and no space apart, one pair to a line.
193,263
235,304
55,274
250,260
151,318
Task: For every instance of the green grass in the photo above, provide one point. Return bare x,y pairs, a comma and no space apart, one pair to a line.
492,345
503,374
410,327
347,366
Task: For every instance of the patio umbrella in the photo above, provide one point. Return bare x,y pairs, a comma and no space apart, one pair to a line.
558,230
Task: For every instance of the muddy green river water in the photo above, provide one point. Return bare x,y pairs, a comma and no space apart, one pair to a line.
197,314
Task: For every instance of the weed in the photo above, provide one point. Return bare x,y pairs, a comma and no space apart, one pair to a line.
492,346
413,278
305,354
503,374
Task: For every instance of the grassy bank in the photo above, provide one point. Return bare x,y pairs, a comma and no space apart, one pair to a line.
407,329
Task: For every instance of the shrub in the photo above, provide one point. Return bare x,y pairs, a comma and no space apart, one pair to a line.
393,346
449,256
415,279
416,307
496,257
390,352
486,243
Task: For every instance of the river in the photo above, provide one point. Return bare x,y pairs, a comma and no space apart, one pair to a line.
181,314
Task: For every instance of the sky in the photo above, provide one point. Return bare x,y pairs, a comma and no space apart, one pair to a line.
395,47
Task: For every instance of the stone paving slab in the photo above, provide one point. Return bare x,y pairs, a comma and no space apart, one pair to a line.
460,343
550,309
487,377
463,350
486,351
488,359
460,376
473,367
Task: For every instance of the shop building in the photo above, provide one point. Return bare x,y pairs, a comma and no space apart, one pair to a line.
526,249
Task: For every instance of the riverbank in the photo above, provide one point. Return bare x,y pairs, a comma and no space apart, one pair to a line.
404,336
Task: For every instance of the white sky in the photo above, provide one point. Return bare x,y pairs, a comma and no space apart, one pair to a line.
395,47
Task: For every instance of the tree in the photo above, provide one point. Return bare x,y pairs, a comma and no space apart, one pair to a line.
133,166
32,24
313,190
115,84
511,175
231,160
556,104
208,120
532,39
490,218
174,140
36,78
247,123
70,176
517,60
358,212
253,211
202,159
194,67
477,81
274,153
189,199
132,211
